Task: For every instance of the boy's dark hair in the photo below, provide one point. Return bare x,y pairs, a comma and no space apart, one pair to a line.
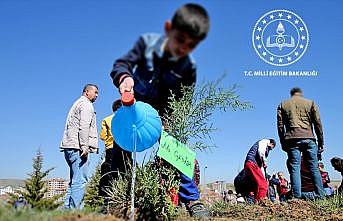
88,86
272,141
116,104
192,19
295,90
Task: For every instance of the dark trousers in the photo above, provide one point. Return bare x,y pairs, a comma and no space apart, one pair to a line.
117,161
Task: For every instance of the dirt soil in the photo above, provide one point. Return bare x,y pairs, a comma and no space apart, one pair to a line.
294,210
88,217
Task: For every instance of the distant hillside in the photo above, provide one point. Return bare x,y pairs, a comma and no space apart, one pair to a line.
11,182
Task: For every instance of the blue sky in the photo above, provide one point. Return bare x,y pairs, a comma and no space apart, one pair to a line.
50,49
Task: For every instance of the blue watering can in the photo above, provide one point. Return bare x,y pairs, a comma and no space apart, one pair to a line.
136,126
136,120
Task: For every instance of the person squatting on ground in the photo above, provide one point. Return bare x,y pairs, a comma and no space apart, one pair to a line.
80,138
229,197
252,177
158,65
282,187
295,118
117,160
325,179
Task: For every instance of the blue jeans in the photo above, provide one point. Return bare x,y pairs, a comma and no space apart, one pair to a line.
309,196
250,199
78,178
282,198
328,191
309,149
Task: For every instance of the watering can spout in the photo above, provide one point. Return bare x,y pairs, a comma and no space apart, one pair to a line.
127,99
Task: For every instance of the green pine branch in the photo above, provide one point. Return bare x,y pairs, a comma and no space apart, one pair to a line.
190,118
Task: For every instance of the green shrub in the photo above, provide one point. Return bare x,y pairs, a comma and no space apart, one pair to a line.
92,199
331,204
151,195
188,119
219,208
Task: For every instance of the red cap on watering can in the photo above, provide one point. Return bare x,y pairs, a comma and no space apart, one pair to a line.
127,98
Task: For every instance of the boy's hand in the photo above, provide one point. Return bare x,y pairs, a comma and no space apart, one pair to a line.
126,85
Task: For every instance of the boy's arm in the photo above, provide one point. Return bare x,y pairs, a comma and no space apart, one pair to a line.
125,64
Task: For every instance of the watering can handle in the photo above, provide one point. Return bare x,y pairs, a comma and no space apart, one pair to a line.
127,98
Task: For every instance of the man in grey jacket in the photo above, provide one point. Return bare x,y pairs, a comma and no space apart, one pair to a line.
296,119
80,138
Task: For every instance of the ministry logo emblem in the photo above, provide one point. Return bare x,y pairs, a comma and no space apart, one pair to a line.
280,37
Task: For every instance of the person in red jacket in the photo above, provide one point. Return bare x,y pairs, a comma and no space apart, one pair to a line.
282,187
326,180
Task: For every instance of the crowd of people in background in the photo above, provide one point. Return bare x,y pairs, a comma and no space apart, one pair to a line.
279,188
298,119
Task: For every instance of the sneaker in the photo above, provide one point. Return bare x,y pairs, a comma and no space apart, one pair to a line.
198,210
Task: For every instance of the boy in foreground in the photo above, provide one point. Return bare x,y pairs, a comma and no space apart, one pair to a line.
158,65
